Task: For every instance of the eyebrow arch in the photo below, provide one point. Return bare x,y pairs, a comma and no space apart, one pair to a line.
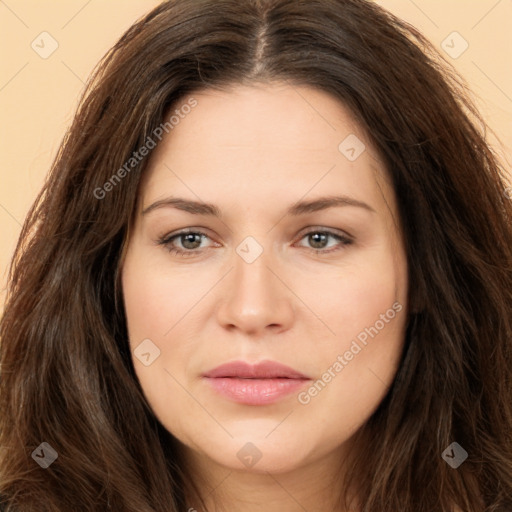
299,208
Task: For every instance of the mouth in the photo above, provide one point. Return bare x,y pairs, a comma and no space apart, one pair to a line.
260,384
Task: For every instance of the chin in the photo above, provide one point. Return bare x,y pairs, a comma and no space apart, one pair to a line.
257,454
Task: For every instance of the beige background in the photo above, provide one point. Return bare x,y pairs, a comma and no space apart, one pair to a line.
38,96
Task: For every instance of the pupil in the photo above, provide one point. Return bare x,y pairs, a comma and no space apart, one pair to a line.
315,242
189,238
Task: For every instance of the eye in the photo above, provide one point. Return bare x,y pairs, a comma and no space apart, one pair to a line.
190,242
319,238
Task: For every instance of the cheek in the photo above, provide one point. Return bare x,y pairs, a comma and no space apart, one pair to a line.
355,297
365,308
155,299
154,310
368,322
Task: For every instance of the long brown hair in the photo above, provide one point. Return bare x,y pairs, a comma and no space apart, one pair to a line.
67,378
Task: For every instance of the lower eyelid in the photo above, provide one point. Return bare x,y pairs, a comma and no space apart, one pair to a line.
342,243
343,240
173,238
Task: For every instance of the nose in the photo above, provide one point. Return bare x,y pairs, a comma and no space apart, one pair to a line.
255,297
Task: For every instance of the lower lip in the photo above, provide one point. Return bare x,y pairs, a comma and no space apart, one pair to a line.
255,391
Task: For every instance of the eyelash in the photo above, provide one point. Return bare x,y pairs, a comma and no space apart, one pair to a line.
167,240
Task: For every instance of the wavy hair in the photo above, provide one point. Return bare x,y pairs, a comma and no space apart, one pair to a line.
67,377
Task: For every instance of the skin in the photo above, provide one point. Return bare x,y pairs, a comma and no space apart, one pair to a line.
253,152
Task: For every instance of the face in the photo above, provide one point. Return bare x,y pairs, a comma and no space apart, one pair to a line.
265,279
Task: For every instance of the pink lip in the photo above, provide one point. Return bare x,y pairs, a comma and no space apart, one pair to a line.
263,383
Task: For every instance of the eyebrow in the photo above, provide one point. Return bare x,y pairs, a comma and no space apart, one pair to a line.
299,208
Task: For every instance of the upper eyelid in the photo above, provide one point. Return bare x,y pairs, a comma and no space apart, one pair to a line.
309,229
167,239
332,231
312,229
185,231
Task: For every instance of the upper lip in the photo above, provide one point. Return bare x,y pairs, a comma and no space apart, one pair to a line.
262,370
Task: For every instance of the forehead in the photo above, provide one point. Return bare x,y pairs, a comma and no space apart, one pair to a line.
278,140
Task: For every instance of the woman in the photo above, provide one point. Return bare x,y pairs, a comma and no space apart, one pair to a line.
270,269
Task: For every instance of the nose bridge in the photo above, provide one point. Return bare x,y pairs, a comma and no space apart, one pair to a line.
254,297
252,275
